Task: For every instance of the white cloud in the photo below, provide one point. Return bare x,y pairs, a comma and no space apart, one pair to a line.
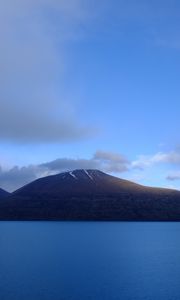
144,161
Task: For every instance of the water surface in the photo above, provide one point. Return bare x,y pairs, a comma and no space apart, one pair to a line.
89,261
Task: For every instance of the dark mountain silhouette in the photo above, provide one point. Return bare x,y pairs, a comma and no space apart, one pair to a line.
90,195
3,193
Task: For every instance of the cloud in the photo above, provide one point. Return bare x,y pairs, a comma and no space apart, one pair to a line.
144,161
173,176
13,178
34,35
63,164
106,161
171,158
16,177
112,162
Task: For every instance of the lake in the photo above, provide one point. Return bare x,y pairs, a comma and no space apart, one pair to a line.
89,261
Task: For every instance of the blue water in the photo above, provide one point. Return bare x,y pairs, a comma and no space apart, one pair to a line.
89,260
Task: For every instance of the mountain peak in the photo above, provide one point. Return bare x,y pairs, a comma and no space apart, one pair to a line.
77,182
88,174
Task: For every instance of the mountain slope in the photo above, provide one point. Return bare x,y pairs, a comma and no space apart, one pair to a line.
3,193
83,182
90,195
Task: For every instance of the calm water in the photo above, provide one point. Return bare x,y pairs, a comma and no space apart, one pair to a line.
89,260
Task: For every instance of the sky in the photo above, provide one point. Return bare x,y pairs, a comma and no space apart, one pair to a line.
90,84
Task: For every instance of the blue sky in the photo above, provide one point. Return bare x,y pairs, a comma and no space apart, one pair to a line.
90,83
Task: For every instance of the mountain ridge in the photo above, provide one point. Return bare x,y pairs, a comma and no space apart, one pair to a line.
88,194
93,175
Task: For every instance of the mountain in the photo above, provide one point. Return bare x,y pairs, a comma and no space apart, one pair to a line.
3,193
90,195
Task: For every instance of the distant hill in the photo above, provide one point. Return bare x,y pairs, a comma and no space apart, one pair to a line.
3,193
90,195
